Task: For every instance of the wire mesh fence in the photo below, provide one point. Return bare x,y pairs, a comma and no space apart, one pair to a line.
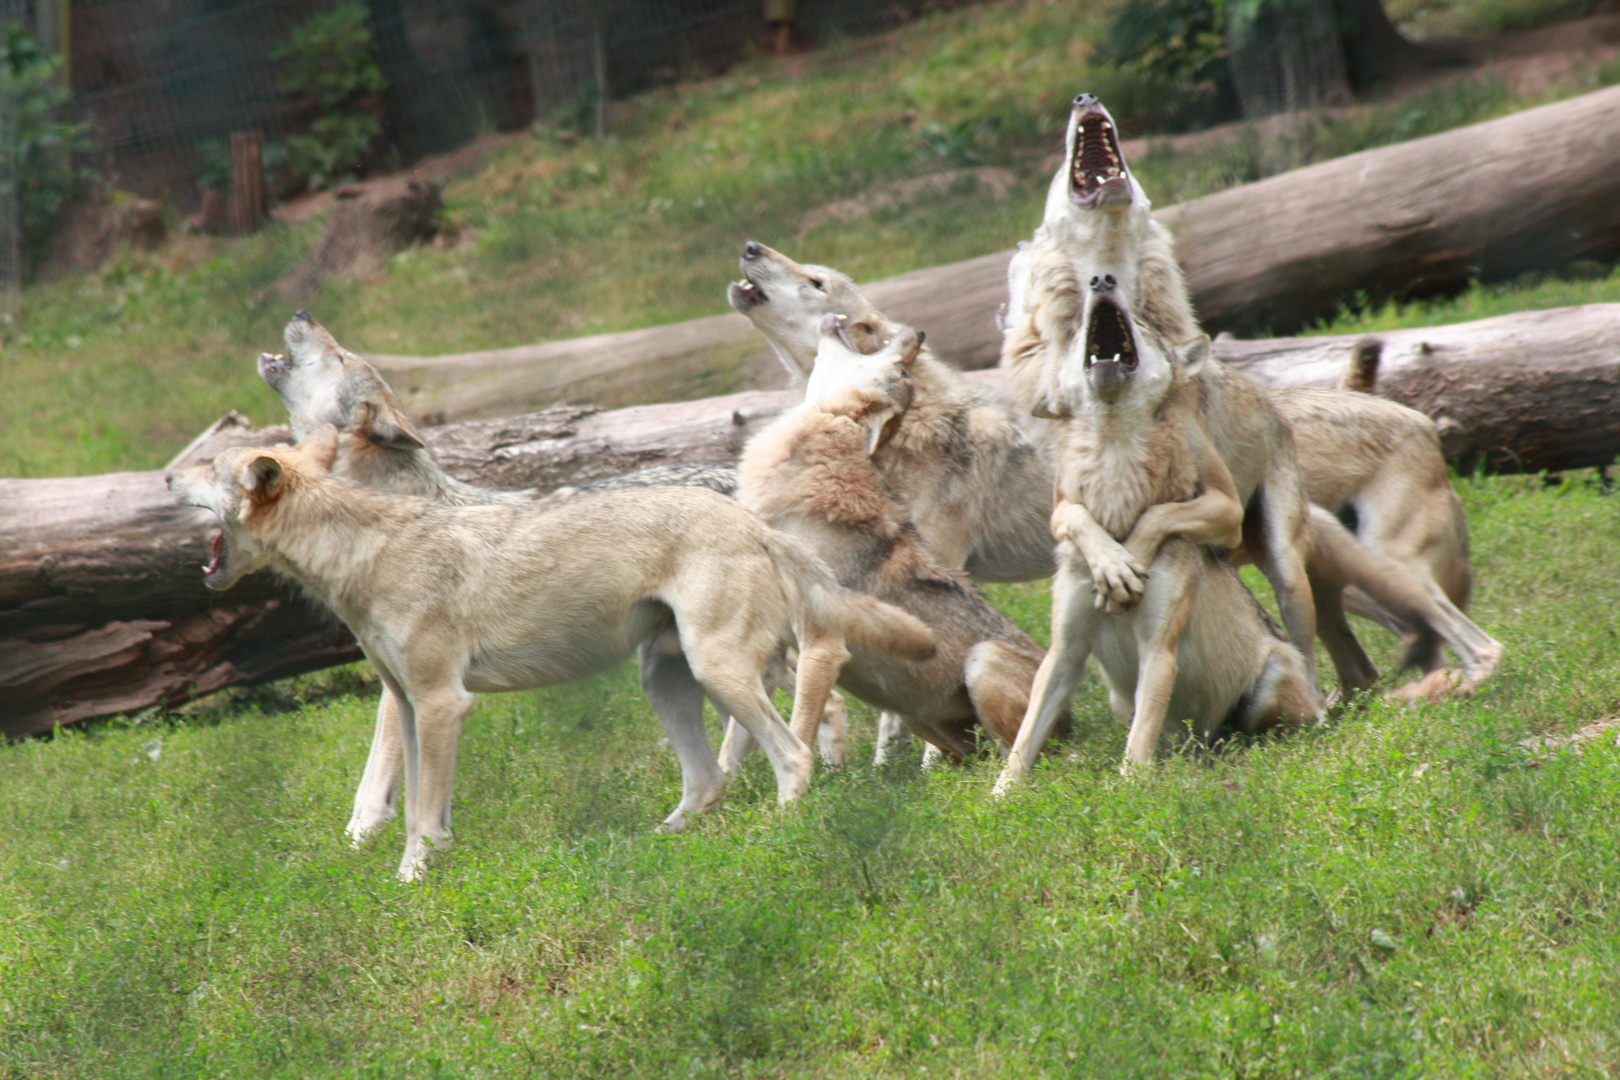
162,81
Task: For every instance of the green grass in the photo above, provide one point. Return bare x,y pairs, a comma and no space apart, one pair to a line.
117,370
1399,894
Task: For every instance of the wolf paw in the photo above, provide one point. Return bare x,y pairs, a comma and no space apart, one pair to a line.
1118,579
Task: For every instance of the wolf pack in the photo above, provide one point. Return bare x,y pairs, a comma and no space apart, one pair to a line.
1124,462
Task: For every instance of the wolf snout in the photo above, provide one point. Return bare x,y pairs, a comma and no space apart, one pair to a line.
1085,101
753,250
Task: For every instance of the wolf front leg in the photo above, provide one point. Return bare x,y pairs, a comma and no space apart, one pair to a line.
1074,624
375,798
1157,624
431,720
1117,576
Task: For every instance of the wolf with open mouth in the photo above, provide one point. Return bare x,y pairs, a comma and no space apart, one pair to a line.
1387,538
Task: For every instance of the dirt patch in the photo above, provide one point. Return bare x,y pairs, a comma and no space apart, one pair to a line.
1607,730
94,226
367,225
438,169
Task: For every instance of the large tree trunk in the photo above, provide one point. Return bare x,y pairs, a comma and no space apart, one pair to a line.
1530,191
102,607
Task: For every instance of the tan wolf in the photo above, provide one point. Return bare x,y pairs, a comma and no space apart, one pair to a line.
978,488
1388,537
451,601
1141,484
812,475
320,382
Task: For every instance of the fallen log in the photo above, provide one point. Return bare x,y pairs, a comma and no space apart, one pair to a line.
1487,202
102,607
1527,392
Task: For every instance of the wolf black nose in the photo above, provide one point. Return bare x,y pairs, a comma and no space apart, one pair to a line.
753,250
168,478
303,315
1083,100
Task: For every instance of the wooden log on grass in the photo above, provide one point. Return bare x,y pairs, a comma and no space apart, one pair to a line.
103,610
1530,191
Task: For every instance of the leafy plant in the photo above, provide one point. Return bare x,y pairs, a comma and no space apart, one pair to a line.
1178,40
332,61
47,146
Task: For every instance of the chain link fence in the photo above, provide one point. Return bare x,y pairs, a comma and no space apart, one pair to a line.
161,80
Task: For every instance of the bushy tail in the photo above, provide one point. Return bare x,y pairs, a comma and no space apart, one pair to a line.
1361,374
863,621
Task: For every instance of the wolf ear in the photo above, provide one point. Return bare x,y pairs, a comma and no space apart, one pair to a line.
877,425
321,446
1192,354
263,477
906,343
386,426
1045,409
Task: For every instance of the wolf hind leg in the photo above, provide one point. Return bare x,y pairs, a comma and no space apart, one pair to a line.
676,698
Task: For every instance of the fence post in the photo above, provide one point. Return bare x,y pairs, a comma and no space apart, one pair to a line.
246,207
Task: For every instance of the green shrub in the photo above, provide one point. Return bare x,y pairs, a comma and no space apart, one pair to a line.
47,145
332,61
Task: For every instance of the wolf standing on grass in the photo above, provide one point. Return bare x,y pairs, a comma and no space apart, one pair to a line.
451,601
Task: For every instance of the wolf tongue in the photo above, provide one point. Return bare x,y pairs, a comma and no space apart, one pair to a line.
214,548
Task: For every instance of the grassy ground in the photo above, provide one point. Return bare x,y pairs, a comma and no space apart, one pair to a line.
1403,893
118,370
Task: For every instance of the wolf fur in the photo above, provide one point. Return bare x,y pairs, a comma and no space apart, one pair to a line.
1140,481
451,601
978,488
1069,311
1387,536
321,382
812,474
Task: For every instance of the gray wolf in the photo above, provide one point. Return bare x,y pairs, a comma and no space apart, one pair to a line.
451,601
1388,539
978,488
1140,484
320,382
812,474
1069,308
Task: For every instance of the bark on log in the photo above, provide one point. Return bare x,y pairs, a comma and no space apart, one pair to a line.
102,607
1487,202
1524,392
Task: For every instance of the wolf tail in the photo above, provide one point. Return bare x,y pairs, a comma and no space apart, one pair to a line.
862,620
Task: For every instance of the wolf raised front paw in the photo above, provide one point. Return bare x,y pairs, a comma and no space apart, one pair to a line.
1118,579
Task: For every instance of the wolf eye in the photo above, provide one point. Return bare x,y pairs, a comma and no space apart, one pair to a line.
819,286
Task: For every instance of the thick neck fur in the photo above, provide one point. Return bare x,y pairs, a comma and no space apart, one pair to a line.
1117,462
809,472
410,472
937,421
